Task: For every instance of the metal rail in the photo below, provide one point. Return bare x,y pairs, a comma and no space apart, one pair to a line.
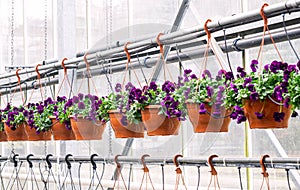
276,163
225,22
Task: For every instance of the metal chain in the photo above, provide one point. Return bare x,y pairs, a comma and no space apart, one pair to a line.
108,23
45,39
12,58
45,148
46,29
12,50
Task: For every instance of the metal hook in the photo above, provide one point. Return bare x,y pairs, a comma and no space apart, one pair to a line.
93,161
28,160
17,74
143,162
117,162
37,71
175,160
206,29
145,62
63,64
15,160
263,166
67,160
87,64
48,161
212,167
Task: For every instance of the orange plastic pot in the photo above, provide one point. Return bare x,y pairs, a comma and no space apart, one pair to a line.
18,134
159,125
3,136
60,132
269,107
131,130
84,129
33,136
206,122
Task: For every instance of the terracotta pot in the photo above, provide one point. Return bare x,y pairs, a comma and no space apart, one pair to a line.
18,134
60,132
33,136
121,131
205,122
84,129
3,136
159,125
267,122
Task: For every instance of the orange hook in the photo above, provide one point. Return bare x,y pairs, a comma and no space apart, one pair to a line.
127,52
63,64
17,74
117,162
206,29
175,160
262,14
143,162
37,71
87,64
263,166
161,49
212,167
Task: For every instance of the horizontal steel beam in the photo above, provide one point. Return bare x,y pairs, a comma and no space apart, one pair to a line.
225,22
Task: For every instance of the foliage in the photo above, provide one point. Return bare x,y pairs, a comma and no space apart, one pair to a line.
273,82
85,106
205,89
13,116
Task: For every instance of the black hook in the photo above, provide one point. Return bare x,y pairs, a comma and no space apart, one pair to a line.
14,160
28,160
93,161
67,161
48,161
144,63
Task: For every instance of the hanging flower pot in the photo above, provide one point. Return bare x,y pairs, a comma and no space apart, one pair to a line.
60,131
263,115
3,136
15,133
33,135
159,125
124,129
207,122
85,129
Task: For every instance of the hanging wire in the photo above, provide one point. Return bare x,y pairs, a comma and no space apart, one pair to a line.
79,176
199,175
1,177
141,67
288,37
240,177
101,177
288,178
163,175
129,177
226,49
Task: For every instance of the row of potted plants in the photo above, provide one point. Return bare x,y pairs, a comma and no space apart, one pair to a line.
265,96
